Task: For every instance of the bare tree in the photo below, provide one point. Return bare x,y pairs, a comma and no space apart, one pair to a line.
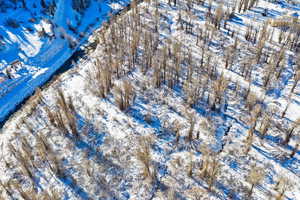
219,15
265,125
289,133
124,95
144,156
210,167
191,119
282,186
100,79
255,177
286,107
219,87
296,80
294,151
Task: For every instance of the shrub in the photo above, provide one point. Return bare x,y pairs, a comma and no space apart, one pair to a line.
12,23
42,33
80,5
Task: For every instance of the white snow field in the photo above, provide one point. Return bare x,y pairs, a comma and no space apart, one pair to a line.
172,104
35,41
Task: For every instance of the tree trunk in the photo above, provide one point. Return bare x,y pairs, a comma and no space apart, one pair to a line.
251,190
294,151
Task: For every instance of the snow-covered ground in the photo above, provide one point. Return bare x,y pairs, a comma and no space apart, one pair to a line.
164,146
36,41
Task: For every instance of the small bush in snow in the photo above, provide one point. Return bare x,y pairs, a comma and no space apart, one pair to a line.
12,23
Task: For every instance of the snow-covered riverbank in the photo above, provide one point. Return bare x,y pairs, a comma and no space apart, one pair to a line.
40,57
